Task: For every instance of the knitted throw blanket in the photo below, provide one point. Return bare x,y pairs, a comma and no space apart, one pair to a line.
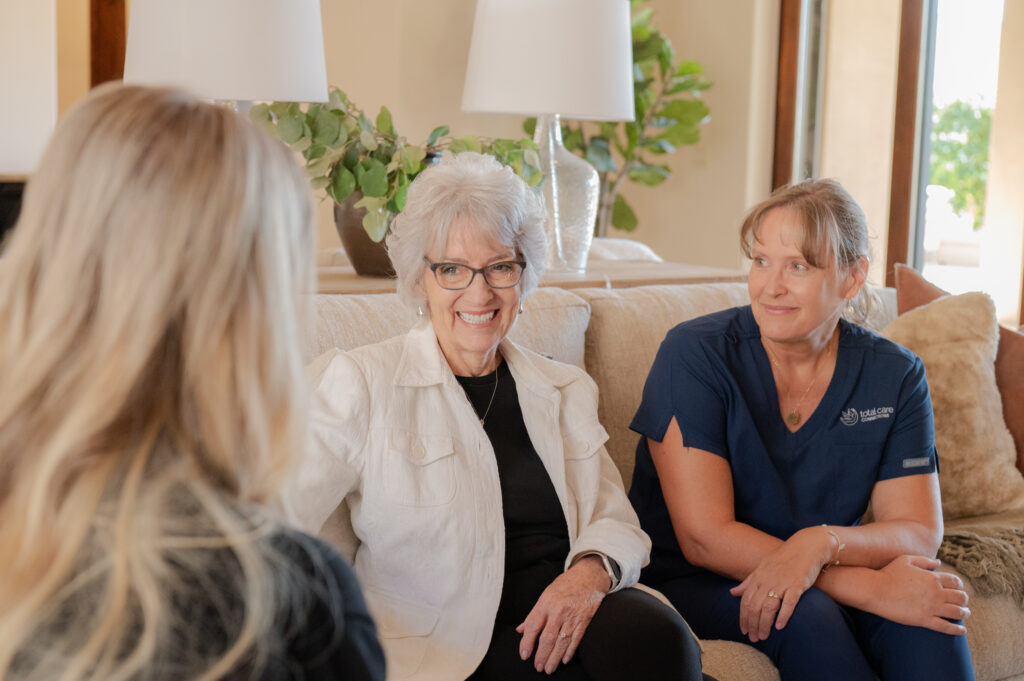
992,558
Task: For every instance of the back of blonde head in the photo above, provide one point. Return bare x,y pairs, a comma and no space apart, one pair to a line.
151,384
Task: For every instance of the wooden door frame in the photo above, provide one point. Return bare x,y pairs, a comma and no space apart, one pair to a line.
107,37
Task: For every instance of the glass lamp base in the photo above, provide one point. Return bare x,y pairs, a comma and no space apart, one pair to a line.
571,192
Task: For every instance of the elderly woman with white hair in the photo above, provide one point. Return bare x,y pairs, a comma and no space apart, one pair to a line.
466,477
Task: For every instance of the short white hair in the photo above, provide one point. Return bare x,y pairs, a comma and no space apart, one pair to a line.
480,190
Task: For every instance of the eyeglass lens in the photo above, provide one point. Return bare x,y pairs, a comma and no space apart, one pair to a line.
498,275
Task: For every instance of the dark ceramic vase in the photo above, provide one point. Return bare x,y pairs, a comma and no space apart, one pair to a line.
368,257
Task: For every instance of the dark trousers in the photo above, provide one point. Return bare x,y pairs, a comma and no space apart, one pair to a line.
632,636
824,639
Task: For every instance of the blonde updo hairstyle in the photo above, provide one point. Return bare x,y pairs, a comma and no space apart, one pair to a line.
466,187
151,387
834,227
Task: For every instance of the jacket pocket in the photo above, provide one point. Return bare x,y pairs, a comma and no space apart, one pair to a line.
405,627
582,463
419,470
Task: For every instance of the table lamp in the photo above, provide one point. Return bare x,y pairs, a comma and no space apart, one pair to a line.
555,58
234,50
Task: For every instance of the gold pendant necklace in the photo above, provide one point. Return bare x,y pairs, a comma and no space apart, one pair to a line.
493,393
793,417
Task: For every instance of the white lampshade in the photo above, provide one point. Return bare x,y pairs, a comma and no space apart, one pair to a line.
567,57
255,50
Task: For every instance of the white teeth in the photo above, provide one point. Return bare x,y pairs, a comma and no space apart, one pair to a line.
476,318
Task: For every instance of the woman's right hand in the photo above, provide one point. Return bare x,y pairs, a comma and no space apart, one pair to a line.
911,591
770,593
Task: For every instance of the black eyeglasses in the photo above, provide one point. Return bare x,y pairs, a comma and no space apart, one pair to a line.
455,276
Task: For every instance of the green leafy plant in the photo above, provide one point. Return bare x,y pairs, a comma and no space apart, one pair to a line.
959,156
669,113
348,155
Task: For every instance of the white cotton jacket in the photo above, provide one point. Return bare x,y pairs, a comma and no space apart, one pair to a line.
403,480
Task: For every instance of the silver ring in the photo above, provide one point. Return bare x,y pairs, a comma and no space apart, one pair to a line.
772,594
562,634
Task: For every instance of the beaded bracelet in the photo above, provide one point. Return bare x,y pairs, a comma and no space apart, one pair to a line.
841,547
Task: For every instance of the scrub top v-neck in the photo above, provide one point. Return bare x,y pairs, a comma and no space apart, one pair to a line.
712,374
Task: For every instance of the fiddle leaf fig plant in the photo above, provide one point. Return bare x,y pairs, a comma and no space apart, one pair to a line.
347,155
669,113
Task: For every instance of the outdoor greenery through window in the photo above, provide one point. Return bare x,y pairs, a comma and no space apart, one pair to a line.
956,229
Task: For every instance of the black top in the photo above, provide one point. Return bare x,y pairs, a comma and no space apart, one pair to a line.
335,638
324,634
536,534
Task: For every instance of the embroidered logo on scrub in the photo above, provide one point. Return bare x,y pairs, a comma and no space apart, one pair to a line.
851,416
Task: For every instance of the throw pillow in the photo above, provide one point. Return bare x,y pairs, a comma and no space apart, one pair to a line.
913,290
956,338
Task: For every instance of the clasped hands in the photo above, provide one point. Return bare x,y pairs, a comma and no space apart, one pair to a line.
908,590
557,622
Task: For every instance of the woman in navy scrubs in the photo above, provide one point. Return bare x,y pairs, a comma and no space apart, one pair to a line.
766,431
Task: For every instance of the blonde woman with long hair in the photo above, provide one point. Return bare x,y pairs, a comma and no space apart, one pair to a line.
151,398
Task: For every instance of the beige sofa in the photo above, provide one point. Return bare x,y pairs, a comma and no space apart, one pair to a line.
614,334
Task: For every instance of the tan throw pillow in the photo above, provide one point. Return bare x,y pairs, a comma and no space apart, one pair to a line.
956,338
913,290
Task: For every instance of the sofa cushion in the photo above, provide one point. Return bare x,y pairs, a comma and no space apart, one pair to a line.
553,322
913,290
734,661
956,338
626,327
997,619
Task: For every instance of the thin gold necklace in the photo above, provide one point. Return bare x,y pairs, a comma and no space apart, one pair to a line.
793,417
493,393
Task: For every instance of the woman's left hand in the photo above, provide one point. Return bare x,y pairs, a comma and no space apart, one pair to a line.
770,593
562,613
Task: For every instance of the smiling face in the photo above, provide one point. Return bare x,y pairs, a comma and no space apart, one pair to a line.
793,300
470,323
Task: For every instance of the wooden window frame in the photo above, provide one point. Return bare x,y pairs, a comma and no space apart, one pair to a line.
903,194
786,92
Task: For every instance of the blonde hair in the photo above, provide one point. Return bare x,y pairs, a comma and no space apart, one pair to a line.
151,386
474,187
834,228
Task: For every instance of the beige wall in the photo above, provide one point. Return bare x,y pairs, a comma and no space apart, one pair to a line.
72,52
28,82
858,107
1003,246
695,215
411,56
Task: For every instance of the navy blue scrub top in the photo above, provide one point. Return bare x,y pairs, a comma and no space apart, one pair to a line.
873,423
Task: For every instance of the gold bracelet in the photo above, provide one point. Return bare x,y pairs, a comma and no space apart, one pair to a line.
841,546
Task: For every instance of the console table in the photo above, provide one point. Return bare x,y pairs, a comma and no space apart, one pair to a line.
600,273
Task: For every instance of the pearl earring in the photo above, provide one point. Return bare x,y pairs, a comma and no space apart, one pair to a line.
419,311
520,308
